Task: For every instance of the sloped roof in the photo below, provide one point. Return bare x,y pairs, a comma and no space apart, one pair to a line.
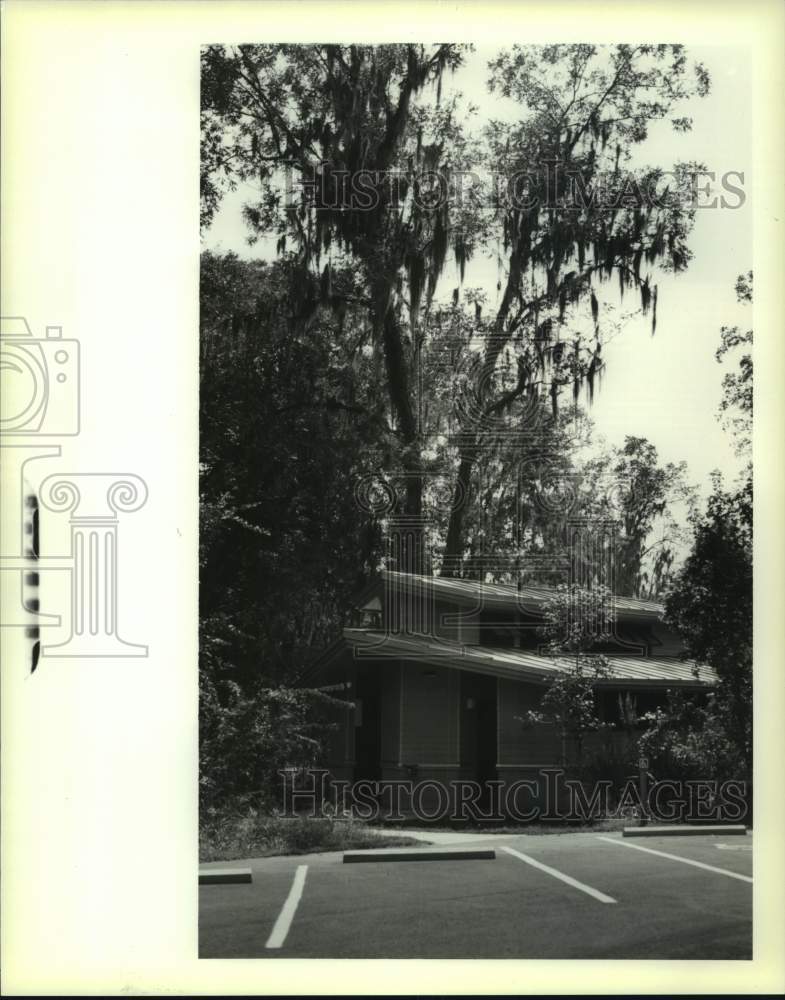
520,664
475,593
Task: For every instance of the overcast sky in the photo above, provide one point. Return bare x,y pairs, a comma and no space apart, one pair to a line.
666,388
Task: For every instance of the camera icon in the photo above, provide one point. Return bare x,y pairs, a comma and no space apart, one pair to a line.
39,381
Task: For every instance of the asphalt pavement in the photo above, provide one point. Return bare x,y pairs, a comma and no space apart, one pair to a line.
576,895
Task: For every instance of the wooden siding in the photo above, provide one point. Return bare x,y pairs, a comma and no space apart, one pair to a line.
429,714
521,744
390,712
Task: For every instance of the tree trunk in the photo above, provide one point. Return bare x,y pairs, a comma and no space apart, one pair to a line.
454,545
408,541
453,549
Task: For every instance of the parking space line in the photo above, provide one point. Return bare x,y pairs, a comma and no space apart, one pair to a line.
285,917
595,893
675,857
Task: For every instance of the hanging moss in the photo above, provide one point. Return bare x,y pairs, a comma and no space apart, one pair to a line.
645,296
415,266
654,311
636,262
461,255
440,240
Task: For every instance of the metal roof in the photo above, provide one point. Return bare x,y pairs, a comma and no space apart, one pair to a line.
499,595
518,663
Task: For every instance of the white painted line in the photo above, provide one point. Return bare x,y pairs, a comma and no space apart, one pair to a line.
286,916
560,875
675,857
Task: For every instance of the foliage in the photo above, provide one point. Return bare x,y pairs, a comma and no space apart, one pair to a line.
323,129
736,404
342,358
248,736
283,544
686,740
583,108
576,619
710,606
628,487
228,834
284,436
710,603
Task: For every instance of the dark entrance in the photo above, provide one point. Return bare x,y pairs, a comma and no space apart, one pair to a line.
367,730
478,729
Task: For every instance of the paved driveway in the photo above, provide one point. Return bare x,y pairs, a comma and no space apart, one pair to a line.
581,895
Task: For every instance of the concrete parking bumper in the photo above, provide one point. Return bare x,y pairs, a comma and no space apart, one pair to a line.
418,854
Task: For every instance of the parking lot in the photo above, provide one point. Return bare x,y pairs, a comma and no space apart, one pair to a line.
579,895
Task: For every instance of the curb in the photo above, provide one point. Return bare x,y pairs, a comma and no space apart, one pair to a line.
423,854
224,876
684,831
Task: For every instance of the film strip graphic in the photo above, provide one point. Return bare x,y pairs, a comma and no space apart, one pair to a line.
31,577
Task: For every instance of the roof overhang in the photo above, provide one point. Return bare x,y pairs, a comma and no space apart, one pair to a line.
474,595
517,664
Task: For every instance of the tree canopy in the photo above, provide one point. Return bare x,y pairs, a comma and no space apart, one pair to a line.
338,368
357,156
710,603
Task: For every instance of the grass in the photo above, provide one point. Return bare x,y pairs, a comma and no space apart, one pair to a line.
598,825
254,835
228,836
538,829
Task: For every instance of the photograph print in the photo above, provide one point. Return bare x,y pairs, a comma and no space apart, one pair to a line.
476,389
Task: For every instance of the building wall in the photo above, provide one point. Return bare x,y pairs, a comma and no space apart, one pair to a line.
456,624
469,628
429,720
391,712
522,744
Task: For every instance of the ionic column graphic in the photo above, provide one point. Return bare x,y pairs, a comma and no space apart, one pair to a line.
94,501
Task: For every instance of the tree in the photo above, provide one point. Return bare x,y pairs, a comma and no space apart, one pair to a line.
283,544
283,436
584,108
711,601
736,404
629,487
710,606
342,118
576,619
353,126
685,739
248,736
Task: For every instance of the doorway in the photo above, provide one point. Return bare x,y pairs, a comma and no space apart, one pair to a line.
367,725
479,729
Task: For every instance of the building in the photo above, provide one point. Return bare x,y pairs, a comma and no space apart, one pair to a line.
442,673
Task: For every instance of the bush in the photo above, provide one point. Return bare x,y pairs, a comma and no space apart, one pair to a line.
687,741
231,833
247,738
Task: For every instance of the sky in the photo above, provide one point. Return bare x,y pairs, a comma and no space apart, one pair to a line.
665,387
